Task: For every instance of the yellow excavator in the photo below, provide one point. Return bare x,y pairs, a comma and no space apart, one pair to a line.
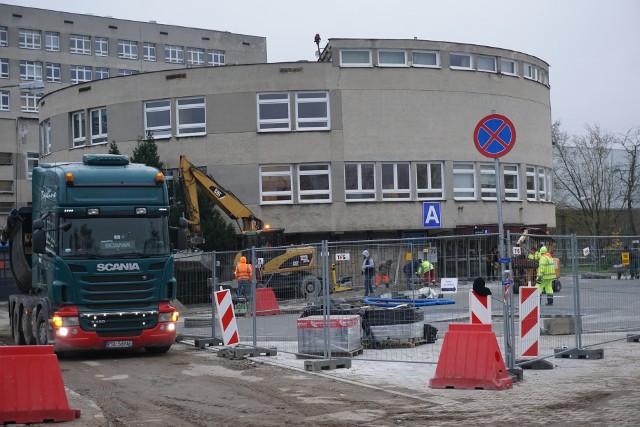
288,270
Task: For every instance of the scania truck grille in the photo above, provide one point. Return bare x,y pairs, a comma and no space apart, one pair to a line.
107,323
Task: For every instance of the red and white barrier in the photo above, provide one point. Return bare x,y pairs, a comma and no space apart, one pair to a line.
227,317
479,309
529,321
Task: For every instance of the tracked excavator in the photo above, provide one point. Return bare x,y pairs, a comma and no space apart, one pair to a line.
289,270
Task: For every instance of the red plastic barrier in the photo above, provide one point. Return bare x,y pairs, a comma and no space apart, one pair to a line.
470,359
31,386
266,302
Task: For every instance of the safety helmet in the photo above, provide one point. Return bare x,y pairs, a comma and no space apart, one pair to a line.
243,259
365,253
543,250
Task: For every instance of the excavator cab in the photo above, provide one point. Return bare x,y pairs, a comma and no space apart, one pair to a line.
270,237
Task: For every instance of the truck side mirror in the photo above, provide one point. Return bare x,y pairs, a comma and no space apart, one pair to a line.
38,240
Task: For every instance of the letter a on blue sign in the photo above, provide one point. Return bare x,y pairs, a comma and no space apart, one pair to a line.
431,215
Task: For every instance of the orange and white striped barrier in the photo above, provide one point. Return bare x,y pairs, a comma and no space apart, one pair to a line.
227,317
529,321
479,309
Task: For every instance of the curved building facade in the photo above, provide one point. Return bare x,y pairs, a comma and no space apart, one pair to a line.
357,145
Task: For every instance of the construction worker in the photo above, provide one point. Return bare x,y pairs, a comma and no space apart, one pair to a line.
383,273
243,276
427,272
368,270
546,274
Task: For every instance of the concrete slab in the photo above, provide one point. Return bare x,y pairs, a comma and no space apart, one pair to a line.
326,364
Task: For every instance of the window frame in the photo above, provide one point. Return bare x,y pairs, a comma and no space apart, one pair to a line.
216,58
29,38
461,67
369,63
173,54
30,70
149,51
165,130
509,61
52,41
319,100
264,99
488,182
542,184
392,64
182,130
78,129
278,197
5,100
511,193
531,181
10,186
527,71
127,49
45,137
360,194
425,52
431,191
4,68
31,161
54,72
99,73
315,195
394,191
196,57
487,57
101,46
29,102
4,36
79,44
459,192
77,70
101,137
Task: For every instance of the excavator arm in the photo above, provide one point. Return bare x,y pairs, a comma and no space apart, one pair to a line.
191,178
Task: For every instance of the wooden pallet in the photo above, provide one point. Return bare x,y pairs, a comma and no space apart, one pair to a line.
351,353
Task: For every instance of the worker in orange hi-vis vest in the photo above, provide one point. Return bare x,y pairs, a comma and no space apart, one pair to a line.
243,276
546,274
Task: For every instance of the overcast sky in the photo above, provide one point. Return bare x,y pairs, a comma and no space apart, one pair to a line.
593,47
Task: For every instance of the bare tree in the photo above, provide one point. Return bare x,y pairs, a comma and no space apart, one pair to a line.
630,174
586,177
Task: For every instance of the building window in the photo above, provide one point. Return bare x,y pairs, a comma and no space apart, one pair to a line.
101,46
80,74
30,70
509,67
359,182
52,41
275,185
195,57
45,137
80,44
98,125
314,184
426,59
273,112
78,136
6,158
127,49
355,58
157,118
486,63
544,77
392,58
487,182
527,71
464,182
511,182
215,58
542,185
53,73
6,207
4,36
173,54
29,102
4,68
429,181
460,61
191,114
532,192
396,181
102,73
6,186
29,39
4,100
126,72
149,51
32,162
312,111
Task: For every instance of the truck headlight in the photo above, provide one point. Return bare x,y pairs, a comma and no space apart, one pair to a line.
171,316
59,321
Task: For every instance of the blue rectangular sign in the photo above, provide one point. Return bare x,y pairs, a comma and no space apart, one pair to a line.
431,215
504,260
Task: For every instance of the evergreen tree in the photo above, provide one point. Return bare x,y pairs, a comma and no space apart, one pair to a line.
113,148
146,152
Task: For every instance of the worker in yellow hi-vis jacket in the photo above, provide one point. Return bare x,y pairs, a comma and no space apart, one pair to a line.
546,274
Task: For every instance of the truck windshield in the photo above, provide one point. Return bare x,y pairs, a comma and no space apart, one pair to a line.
109,237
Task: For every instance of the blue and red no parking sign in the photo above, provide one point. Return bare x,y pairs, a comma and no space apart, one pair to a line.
495,136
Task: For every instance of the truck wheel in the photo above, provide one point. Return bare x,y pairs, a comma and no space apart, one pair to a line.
27,329
42,328
157,350
18,337
310,287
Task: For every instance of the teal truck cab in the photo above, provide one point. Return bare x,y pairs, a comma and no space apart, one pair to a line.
93,259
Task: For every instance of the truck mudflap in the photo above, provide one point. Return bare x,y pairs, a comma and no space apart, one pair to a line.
75,339
14,233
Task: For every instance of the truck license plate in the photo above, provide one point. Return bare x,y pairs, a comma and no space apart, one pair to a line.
118,344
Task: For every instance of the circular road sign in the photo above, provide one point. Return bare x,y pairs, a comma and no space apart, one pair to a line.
494,136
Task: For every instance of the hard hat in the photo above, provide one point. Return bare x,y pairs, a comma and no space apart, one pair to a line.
365,253
543,250
243,259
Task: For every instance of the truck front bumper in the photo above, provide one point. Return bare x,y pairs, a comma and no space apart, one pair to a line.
162,335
